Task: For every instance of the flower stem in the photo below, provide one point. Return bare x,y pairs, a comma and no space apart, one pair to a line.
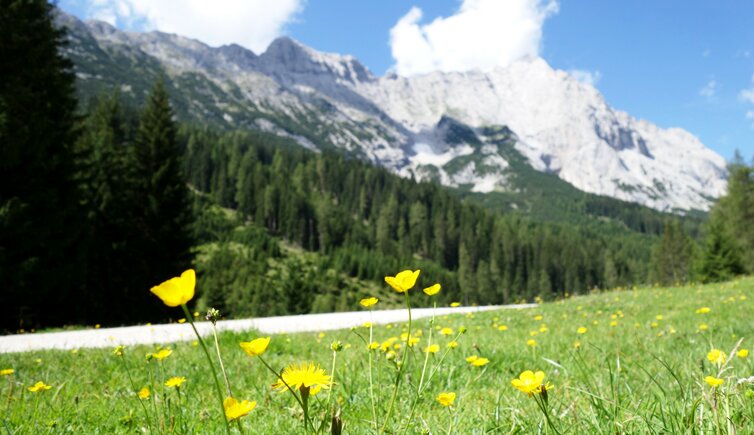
371,382
211,366
400,369
133,388
279,376
220,358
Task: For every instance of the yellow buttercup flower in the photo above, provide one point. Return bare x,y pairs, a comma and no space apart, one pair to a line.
452,344
176,291
713,381
502,328
6,372
175,382
703,310
538,317
403,281
235,409
479,362
368,302
472,358
446,399
433,348
446,331
531,342
531,383
303,376
39,386
716,356
162,354
432,290
373,345
144,393
743,353
255,347
581,330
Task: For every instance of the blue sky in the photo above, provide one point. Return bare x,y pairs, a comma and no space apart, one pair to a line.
676,63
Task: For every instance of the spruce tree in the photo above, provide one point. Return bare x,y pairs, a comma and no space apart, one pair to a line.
162,205
721,259
41,263
672,256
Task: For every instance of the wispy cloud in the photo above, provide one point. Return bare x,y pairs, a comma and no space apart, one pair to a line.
585,76
709,90
482,34
251,23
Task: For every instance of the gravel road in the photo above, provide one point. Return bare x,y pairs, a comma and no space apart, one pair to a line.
167,333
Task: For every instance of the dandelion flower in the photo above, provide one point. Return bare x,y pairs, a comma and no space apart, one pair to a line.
703,327
176,291
530,382
303,376
433,348
472,358
182,320
144,393
175,382
743,353
235,409
403,281
39,386
255,347
446,331
162,354
368,302
502,328
455,304
581,330
446,399
703,310
432,290
118,351
716,356
538,317
531,342
713,381
659,317
452,344
6,372
373,345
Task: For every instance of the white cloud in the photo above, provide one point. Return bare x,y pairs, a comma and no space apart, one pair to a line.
748,94
584,76
482,34
709,90
251,23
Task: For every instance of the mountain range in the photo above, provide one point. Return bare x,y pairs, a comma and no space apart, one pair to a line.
461,129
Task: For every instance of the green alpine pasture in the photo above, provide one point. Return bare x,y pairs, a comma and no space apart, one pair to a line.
624,361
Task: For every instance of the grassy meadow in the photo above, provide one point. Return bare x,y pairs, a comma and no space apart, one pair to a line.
625,361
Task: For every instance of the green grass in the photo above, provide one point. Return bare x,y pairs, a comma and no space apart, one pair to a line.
642,376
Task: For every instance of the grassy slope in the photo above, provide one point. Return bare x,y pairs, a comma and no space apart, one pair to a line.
633,378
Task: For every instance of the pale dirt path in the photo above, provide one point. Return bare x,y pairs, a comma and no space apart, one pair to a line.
167,333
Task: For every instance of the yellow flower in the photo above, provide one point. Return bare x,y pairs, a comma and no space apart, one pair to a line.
703,310
144,393
433,348
614,323
303,376
118,351
716,356
446,399
176,291
581,330
659,317
455,304
175,382
373,345
367,324
39,386
531,342
472,358
162,354
452,344
576,344
235,409
703,327
255,347
502,328
743,353
368,302
403,281
538,317
446,331
530,382
479,362
182,320
6,372
713,381
432,290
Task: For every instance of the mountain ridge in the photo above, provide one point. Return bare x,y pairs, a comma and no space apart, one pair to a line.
332,101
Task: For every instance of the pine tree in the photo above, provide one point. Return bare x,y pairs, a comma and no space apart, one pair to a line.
163,209
672,256
720,259
41,263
